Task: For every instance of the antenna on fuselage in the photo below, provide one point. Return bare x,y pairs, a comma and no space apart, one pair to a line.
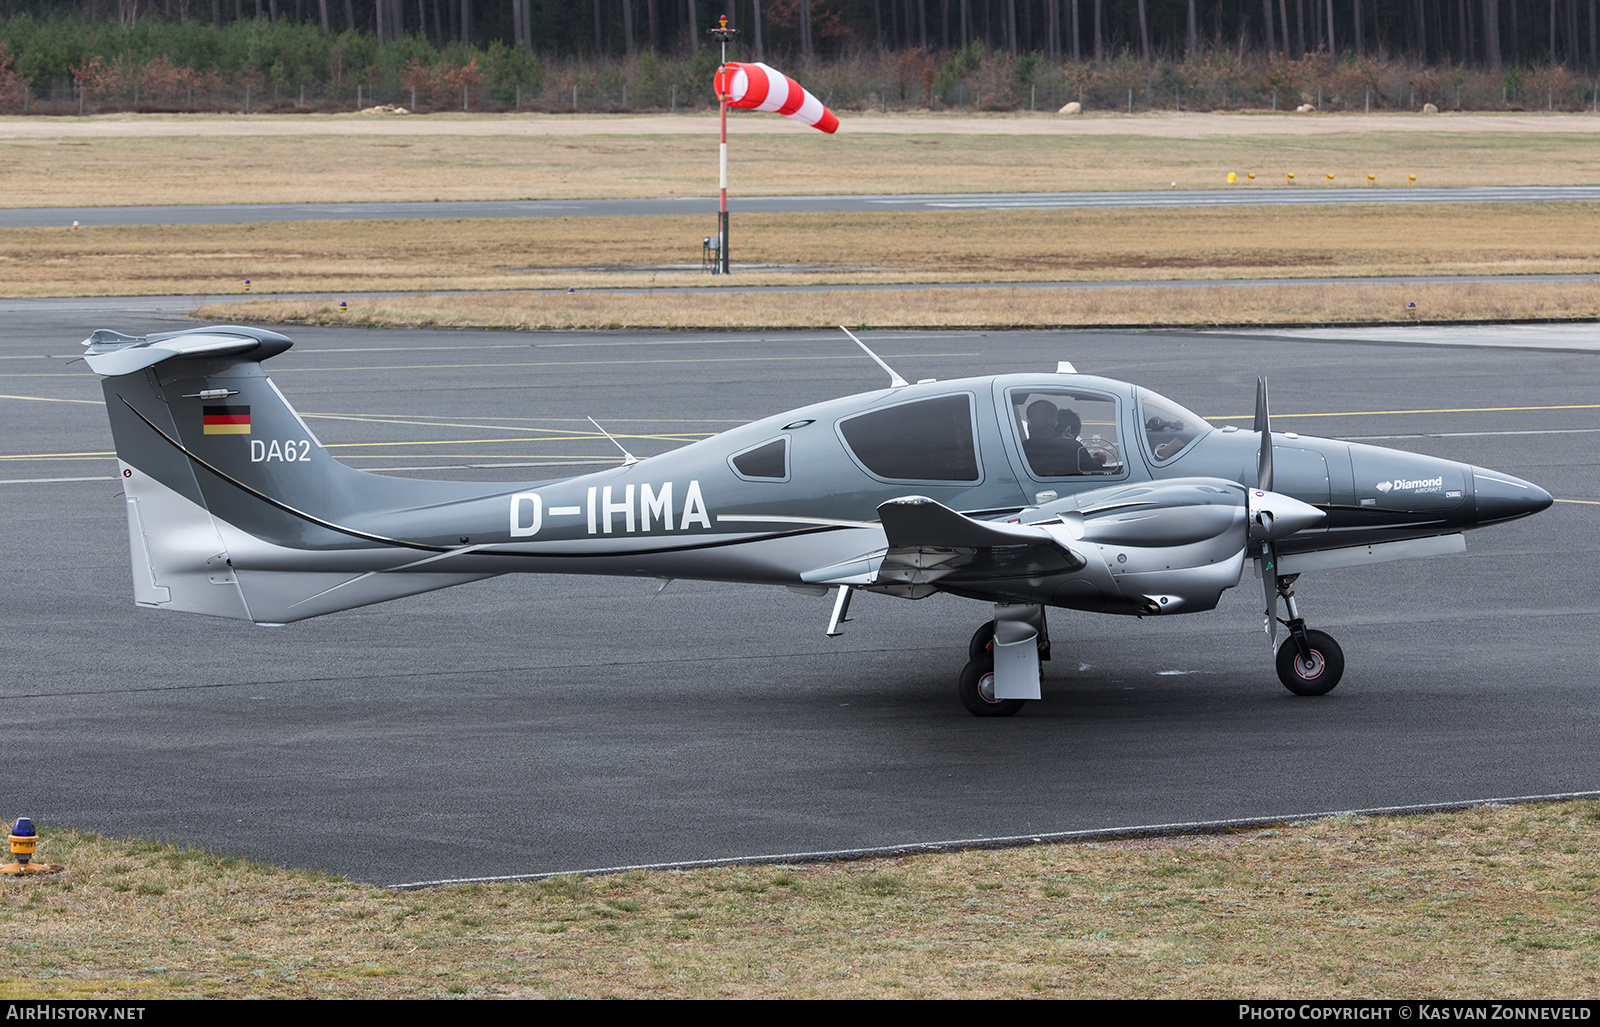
895,381
627,457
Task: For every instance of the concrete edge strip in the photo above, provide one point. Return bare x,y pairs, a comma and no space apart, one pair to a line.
1199,827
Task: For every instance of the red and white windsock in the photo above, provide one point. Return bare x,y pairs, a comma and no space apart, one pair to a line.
758,87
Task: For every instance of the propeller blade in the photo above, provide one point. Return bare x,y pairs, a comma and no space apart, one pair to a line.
1267,559
1264,429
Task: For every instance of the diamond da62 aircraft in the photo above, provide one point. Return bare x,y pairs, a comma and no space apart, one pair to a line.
1025,491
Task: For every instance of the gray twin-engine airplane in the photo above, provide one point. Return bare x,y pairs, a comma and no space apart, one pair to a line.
1024,490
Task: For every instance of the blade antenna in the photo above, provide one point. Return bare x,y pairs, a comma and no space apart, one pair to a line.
895,381
627,457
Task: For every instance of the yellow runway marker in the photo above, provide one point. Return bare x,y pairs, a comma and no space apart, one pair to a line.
1585,502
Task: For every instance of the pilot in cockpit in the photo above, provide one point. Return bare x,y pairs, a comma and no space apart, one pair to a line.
1052,445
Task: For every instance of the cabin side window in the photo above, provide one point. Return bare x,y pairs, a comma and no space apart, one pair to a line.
925,440
767,462
1067,432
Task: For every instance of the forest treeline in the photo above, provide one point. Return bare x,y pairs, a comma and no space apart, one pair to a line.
58,57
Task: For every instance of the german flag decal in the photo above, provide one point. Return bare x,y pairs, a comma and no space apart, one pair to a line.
227,420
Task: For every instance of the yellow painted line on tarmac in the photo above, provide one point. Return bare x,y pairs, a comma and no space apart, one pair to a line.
1442,410
580,458
53,399
616,363
370,445
488,442
552,363
553,420
487,427
52,456
1585,502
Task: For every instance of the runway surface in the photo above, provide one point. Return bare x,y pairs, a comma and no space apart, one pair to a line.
1243,196
539,724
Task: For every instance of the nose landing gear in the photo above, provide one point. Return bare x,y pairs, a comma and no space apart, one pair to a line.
1309,662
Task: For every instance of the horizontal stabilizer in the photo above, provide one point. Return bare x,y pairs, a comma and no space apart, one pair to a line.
112,353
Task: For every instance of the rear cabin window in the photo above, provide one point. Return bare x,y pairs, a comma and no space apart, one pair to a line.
766,462
928,440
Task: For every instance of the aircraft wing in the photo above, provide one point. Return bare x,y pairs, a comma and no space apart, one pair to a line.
932,548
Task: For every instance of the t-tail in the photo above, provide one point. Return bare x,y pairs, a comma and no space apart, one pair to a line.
234,507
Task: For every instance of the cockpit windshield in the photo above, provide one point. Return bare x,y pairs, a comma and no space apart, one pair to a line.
1169,429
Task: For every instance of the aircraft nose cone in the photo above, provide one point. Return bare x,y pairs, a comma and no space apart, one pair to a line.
1500,497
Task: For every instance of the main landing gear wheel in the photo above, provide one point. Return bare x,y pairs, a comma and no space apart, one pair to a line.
1320,674
976,689
982,643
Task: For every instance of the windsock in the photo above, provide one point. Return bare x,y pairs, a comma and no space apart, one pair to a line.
758,87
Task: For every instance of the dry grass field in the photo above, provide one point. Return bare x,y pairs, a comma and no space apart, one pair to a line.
1490,903
349,158
840,249
945,308
157,160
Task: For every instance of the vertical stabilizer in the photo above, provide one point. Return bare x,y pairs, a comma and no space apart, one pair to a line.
234,507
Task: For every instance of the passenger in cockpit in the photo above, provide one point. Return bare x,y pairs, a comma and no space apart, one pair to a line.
1070,425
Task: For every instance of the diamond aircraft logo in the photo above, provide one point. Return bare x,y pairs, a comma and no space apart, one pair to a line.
1384,486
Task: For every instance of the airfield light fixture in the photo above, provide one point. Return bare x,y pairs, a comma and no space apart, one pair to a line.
24,840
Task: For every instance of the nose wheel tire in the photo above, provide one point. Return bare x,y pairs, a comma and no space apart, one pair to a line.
976,690
1316,676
